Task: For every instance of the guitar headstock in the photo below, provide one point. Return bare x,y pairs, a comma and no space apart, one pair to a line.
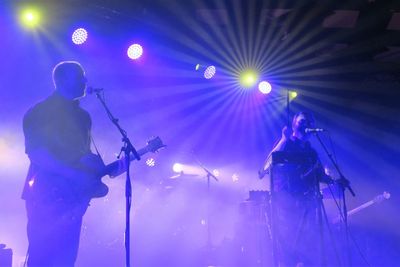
382,197
386,195
155,144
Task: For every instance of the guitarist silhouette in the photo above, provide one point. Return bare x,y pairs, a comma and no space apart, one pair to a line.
63,174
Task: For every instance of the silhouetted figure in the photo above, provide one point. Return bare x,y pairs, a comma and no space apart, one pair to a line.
296,194
57,139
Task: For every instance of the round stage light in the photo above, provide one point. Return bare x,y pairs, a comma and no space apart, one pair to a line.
248,78
265,87
79,36
292,94
135,51
210,72
150,162
30,17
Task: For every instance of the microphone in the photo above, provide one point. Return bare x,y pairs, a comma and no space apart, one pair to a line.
90,90
314,130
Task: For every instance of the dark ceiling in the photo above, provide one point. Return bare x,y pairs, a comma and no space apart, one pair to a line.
367,29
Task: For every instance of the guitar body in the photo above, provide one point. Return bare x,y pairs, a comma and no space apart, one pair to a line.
99,190
92,163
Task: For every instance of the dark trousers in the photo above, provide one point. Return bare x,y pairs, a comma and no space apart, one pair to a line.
53,234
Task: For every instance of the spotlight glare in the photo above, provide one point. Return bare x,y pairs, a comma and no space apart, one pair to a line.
209,72
293,94
197,67
216,172
79,36
264,87
248,78
30,17
177,167
135,51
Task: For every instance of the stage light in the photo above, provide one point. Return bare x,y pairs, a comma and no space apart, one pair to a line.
79,36
264,87
177,167
210,72
248,78
150,162
215,172
30,17
135,51
190,170
293,95
197,67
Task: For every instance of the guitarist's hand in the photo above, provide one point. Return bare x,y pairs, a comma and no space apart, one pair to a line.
343,182
286,133
89,184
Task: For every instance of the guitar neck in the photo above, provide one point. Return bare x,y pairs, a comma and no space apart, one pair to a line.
119,166
377,199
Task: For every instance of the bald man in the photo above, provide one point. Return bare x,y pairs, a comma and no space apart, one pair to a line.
57,136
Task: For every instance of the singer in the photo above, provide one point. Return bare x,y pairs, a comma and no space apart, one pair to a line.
57,138
296,194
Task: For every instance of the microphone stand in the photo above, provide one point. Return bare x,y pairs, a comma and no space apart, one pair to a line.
127,149
343,183
209,176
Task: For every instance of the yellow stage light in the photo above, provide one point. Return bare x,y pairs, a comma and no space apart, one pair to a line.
30,17
248,78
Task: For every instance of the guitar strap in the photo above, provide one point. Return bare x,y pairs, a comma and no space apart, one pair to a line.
95,147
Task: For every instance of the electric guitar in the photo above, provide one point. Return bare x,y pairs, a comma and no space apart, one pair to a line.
98,189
